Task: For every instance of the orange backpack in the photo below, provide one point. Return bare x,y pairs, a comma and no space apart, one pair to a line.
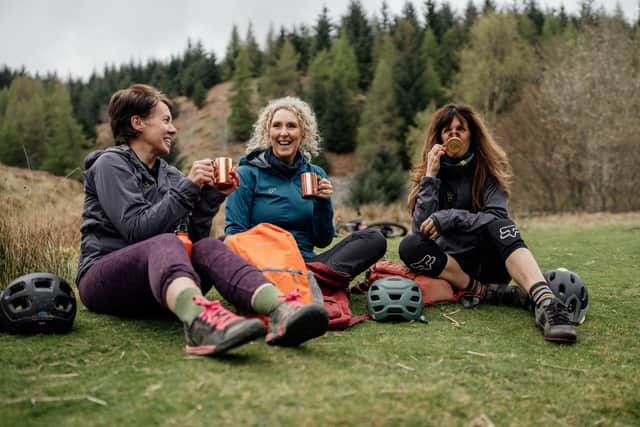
275,253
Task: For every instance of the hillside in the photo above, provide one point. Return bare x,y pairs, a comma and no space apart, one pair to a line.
203,132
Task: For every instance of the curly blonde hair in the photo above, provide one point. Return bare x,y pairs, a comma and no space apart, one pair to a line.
310,146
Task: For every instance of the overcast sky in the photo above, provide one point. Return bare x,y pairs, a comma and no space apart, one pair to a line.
75,37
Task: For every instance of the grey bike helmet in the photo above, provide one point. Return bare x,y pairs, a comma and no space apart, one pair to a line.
37,303
394,298
571,290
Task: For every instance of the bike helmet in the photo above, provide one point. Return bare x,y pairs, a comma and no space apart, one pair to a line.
571,290
394,298
37,302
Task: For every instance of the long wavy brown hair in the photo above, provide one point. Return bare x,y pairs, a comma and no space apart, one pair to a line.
491,159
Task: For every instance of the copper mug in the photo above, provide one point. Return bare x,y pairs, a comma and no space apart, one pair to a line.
309,184
454,145
223,177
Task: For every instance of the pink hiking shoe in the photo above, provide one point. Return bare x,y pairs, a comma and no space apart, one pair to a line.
217,330
294,322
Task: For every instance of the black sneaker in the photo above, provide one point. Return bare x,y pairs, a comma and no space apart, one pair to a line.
553,319
501,294
294,322
217,330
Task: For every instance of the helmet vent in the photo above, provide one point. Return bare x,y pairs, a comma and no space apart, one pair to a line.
415,298
62,303
395,297
374,297
42,284
394,310
411,309
18,287
20,304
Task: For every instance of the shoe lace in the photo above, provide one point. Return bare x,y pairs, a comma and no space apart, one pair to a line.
214,313
557,313
292,298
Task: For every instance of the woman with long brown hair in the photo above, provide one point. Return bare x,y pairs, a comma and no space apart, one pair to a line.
462,231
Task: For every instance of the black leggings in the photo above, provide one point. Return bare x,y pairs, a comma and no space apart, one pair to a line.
485,262
355,253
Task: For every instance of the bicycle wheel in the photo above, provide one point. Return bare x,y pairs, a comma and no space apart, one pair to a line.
389,229
344,228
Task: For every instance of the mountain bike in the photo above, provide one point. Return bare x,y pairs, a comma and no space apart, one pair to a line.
387,228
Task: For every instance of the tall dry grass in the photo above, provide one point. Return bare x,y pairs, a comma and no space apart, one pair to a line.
39,224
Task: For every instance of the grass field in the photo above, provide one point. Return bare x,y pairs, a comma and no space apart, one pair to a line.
489,367
481,367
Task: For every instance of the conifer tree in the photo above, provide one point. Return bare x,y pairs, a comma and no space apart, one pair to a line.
379,172
409,69
272,51
331,87
381,121
470,14
66,145
242,116
323,28
360,34
253,51
281,78
23,132
344,64
4,97
233,50
434,91
199,94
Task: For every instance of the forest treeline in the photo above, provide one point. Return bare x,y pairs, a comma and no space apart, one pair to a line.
561,92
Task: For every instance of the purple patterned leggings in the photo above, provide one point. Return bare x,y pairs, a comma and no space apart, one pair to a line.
133,281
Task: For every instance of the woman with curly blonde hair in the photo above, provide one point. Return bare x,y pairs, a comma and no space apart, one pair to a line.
284,140
462,231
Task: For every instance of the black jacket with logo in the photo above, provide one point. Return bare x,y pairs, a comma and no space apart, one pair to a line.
448,199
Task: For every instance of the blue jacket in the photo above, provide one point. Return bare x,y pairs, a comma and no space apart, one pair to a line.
125,204
265,195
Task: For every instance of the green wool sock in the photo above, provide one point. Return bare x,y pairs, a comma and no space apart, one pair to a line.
186,310
265,299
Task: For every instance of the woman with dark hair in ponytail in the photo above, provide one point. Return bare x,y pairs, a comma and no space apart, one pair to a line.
462,231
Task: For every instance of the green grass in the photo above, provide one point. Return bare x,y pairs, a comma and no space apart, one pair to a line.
494,368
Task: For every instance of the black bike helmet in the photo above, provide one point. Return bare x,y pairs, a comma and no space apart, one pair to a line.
37,303
571,290
394,298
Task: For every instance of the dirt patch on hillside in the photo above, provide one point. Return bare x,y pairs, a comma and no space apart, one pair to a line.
342,164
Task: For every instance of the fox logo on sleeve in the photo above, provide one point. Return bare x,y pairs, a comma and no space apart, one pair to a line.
509,231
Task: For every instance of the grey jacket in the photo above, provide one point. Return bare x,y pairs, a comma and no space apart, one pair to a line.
125,204
448,199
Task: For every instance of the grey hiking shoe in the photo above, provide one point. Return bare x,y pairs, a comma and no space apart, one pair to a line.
553,319
294,322
217,329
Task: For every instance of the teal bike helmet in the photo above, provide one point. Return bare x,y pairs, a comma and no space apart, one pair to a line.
394,298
